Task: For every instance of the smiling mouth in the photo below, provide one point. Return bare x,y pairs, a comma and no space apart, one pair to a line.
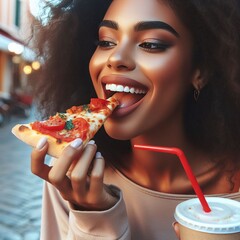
128,92
125,89
126,95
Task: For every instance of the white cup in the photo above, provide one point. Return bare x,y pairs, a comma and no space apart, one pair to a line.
222,223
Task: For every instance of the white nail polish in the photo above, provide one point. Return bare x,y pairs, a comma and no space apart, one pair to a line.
91,142
41,143
98,155
76,143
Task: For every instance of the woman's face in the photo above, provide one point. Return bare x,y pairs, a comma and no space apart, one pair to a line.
144,57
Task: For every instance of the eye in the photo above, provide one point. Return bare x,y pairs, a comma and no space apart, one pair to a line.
154,46
106,44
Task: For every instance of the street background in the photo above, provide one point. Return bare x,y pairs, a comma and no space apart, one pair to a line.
20,190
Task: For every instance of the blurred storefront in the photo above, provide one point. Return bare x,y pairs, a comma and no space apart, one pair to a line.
17,60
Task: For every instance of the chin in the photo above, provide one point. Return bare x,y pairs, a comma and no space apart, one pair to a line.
118,133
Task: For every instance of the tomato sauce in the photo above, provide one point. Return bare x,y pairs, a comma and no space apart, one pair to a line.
67,130
80,130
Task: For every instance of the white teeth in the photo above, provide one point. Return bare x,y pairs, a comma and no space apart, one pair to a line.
126,89
132,90
113,87
120,88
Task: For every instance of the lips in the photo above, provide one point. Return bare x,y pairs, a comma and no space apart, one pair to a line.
127,91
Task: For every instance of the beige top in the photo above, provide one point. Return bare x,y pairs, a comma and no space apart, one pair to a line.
140,214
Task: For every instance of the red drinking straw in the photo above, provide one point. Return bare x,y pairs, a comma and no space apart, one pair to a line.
186,167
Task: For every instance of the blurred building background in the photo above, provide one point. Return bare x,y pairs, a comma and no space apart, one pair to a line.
17,59
21,191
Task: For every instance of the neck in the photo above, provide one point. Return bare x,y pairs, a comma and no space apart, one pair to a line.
165,138
160,171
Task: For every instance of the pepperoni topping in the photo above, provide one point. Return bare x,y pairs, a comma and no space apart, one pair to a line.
98,104
56,127
55,123
65,129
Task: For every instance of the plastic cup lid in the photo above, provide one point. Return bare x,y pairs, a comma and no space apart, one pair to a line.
223,219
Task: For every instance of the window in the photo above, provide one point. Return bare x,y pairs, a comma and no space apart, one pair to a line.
17,13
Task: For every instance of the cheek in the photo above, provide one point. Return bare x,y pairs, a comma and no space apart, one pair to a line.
170,78
96,65
93,66
168,72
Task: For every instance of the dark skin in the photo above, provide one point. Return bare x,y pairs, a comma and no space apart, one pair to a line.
70,175
165,72
170,72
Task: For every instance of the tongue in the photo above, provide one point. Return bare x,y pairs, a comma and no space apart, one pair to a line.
127,99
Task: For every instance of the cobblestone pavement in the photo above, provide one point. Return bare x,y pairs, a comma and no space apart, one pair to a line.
20,190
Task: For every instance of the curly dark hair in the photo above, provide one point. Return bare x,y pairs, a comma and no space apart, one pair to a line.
67,42
212,121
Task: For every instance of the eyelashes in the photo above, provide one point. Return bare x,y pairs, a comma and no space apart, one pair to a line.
154,46
105,44
146,46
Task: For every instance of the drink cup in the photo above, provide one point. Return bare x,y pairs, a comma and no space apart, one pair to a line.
222,223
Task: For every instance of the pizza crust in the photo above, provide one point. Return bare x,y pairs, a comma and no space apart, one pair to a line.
25,133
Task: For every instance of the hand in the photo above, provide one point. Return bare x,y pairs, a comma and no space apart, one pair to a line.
77,174
176,229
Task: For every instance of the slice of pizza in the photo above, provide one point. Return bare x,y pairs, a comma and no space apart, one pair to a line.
62,128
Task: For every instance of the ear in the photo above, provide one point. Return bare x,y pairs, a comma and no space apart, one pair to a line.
197,80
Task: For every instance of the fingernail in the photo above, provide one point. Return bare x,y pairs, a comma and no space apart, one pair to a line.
98,155
174,224
41,143
76,143
91,142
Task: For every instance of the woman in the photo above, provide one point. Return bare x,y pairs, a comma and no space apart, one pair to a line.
174,68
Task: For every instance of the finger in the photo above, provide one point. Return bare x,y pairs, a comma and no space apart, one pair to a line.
58,174
97,174
38,167
79,173
176,229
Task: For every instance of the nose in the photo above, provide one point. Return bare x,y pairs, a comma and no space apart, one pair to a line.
121,59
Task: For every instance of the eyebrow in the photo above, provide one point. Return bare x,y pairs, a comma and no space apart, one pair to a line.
141,26
109,24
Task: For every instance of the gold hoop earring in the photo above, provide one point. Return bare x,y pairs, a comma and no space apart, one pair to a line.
196,94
